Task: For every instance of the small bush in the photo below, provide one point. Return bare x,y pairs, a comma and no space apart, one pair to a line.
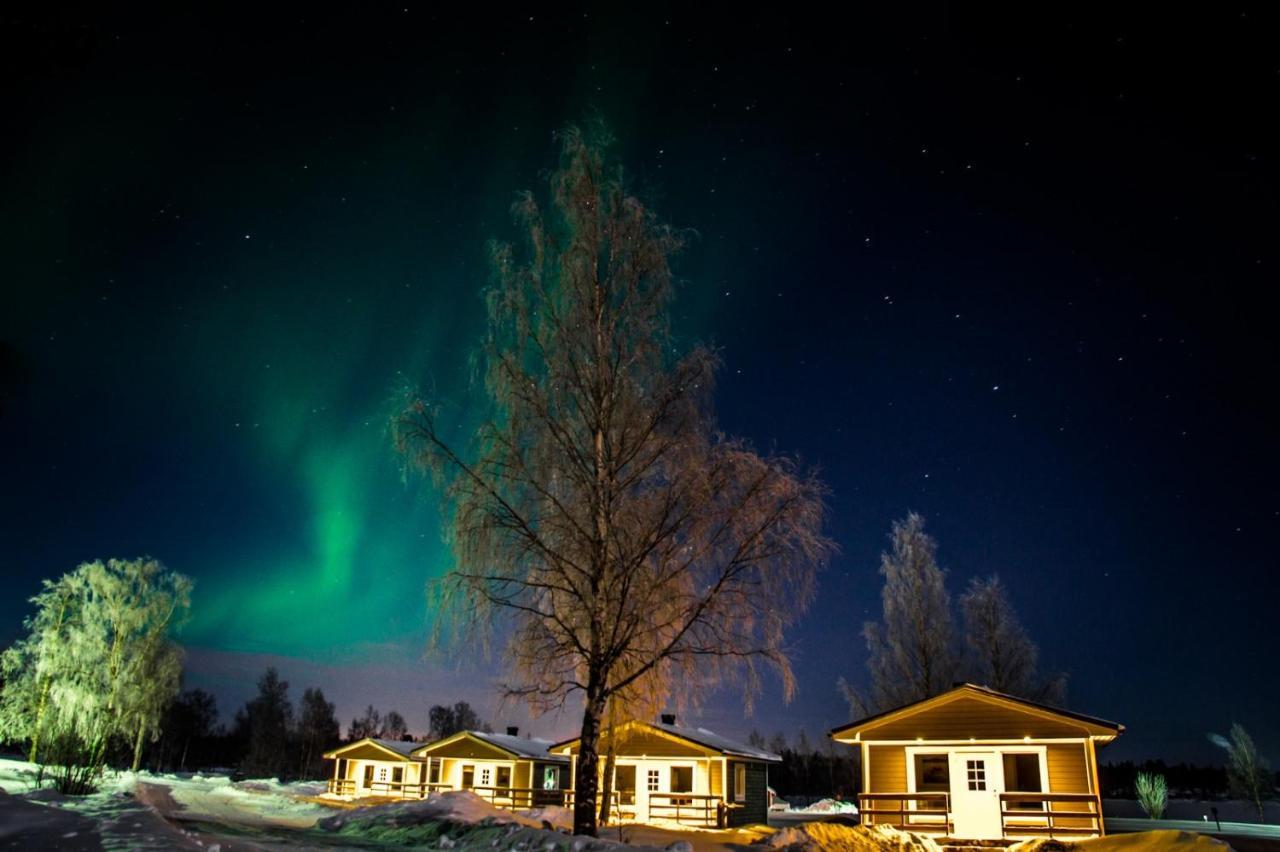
1153,793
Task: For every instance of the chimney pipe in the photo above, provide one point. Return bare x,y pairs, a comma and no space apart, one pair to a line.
513,731
668,718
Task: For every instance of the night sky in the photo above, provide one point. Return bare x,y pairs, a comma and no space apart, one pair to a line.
1016,274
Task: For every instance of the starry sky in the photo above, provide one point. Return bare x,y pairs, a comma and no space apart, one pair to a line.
1015,273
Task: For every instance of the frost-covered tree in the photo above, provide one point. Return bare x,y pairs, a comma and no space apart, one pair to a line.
368,725
1000,654
601,523
265,722
96,667
911,650
318,729
1248,773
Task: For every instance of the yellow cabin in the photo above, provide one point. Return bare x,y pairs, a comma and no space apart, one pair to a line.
664,772
507,770
373,767
977,764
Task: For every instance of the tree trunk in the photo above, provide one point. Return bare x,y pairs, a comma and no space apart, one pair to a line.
584,794
606,791
137,747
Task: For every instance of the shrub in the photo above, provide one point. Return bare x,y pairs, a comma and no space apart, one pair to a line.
1153,793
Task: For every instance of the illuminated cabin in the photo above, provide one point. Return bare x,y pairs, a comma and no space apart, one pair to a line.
373,767
977,764
663,771
507,770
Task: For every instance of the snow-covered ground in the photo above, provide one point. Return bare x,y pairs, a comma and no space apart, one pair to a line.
211,813
145,811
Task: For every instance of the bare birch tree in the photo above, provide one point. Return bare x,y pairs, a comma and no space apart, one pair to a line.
1000,653
601,523
911,650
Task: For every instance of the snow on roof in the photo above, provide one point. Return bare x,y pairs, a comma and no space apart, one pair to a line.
398,746
520,746
712,740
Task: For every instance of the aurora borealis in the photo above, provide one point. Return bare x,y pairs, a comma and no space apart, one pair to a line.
1012,274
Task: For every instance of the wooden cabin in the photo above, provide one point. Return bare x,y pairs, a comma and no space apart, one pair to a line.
976,764
666,772
374,767
507,770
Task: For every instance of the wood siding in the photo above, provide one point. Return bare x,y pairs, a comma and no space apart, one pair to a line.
716,782
466,748
755,810
886,769
369,751
968,716
1069,773
634,743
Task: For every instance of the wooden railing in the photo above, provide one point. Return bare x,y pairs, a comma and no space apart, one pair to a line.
522,798
342,786
913,811
385,789
687,808
1083,814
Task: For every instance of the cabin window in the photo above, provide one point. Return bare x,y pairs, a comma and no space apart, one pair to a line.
382,774
368,774
342,768
624,781
651,780
468,777
397,775
739,782
977,772
682,779
486,777
551,778
1022,775
504,778
433,772
933,773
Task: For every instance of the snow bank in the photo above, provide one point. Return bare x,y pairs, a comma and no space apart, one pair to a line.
828,806
462,820
835,837
1141,841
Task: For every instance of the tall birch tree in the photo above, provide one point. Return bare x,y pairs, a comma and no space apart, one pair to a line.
601,524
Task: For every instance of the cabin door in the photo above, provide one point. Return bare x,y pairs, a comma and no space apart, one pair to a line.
977,777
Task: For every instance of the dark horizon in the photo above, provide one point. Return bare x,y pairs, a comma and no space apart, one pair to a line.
1014,273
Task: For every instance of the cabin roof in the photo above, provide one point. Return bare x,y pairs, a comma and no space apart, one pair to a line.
1098,728
516,746
398,748
698,736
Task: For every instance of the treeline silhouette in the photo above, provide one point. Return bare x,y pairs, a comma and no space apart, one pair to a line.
270,737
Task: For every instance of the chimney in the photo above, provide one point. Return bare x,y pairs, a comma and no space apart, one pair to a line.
513,731
668,718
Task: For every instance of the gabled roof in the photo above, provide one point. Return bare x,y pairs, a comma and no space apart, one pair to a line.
398,749
1099,729
516,746
697,736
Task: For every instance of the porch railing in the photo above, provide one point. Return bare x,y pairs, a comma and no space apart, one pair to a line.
385,789
922,812
1050,814
523,798
695,809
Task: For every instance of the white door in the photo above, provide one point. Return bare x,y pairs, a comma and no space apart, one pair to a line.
977,777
